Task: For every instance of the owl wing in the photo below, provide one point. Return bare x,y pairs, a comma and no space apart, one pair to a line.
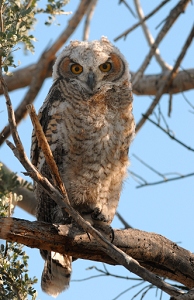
57,268
48,120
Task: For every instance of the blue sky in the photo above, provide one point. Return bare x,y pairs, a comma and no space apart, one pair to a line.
165,209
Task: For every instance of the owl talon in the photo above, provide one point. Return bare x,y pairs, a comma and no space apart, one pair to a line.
98,216
88,235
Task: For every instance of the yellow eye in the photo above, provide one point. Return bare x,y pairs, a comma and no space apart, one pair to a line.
76,69
105,67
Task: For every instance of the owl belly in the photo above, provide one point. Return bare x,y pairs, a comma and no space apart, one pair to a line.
94,167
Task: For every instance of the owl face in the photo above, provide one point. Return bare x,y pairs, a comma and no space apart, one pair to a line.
91,65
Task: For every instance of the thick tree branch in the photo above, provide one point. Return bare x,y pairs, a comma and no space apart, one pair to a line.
147,85
153,251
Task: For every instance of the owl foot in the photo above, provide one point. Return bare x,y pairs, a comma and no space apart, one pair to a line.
98,216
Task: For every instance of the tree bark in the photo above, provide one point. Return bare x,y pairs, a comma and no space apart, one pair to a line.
154,252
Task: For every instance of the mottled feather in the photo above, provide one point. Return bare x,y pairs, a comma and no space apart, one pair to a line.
88,122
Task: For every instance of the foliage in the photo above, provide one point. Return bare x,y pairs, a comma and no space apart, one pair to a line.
17,18
15,282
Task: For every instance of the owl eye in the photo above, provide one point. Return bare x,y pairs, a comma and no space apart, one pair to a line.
76,69
105,67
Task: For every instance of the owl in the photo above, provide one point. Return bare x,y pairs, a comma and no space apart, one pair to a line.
88,122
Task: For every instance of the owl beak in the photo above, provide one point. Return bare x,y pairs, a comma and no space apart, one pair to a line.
91,80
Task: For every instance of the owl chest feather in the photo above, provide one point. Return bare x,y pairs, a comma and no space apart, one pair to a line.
90,131
89,138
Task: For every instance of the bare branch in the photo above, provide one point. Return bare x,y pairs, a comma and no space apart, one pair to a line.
168,133
174,14
147,85
148,35
153,251
89,16
129,8
168,80
123,220
125,33
149,167
165,181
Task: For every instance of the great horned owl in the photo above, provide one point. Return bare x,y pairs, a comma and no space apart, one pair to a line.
88,122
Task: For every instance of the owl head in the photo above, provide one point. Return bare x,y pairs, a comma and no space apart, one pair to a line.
91,65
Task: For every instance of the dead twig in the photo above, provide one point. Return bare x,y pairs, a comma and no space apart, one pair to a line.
129,8
168,80
125,223
174,14
165,180
126,32
168,133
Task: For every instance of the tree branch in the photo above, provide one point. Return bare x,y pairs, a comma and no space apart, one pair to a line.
126,32
147,85
149,36
164,180
28,202
169,134
89,16
174,14
153,251
168,80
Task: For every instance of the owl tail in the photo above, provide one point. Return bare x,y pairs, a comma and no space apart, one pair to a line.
56,273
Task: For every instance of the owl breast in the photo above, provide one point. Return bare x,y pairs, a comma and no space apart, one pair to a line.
90,138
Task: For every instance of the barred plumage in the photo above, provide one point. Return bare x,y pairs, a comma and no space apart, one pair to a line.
87,119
